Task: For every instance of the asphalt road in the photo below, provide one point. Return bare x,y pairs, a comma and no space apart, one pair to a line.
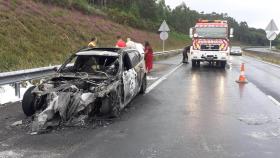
194,113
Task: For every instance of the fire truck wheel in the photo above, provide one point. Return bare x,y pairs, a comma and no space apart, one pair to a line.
193,63
198,63
223,64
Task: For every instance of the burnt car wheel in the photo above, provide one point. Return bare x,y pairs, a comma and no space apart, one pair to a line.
144,85
28,102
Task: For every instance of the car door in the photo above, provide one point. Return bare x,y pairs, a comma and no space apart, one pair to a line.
139,68
130,78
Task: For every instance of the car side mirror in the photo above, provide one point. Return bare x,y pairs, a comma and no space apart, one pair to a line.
191,33
55,69
231,33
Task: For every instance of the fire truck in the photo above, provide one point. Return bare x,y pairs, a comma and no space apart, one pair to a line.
210,42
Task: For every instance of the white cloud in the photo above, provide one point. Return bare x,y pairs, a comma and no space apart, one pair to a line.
257,13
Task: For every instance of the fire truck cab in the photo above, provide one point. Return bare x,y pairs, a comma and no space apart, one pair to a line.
210,42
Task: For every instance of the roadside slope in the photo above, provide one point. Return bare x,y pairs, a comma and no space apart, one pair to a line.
35,34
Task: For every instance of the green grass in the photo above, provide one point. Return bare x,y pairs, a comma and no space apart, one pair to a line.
33,34
272,58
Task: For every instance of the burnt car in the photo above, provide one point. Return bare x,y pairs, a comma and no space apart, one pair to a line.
93,81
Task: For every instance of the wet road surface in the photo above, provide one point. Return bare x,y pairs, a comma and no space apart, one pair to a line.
264,76
194,113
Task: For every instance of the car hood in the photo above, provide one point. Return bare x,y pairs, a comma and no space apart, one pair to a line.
72,83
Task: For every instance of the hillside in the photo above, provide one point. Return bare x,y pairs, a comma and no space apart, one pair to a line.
33,34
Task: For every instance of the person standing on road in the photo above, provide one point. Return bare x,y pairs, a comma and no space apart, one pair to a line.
93,43
135,45
120,43
148,56
130,43
186,50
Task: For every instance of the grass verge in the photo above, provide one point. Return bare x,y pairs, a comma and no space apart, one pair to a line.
33,34
268,57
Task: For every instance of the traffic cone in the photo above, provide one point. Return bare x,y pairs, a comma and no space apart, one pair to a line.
242,78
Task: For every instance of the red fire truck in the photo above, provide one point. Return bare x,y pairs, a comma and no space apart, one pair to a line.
210,42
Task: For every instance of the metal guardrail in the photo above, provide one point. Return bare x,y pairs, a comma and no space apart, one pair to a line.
15,77
261,49
167,52
23,75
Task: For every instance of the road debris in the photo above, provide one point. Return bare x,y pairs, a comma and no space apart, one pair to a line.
10,154
17,123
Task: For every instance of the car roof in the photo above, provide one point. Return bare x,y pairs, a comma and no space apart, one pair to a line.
99,52
102,51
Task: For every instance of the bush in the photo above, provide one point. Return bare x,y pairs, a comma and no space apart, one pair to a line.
132,20
129,17
81,5
122,17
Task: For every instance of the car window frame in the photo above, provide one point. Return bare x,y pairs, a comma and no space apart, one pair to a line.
125,59
136,58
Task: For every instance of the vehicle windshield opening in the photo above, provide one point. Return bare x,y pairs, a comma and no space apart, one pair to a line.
96,65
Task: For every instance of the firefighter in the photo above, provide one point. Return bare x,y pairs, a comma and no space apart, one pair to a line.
186,50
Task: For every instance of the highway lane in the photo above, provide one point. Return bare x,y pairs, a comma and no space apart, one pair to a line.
265,76
194,113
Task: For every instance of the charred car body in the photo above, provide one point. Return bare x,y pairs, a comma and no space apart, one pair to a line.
98,81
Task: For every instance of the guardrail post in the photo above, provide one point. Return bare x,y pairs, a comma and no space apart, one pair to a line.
17,89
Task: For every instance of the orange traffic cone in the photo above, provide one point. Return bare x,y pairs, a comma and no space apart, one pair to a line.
242,78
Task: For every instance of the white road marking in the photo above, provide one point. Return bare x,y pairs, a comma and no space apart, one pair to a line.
151,78
274,100
151,87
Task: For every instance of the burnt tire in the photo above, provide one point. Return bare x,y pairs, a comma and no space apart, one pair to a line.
143,85
28,102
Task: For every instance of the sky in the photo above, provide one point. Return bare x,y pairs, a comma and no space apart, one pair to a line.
257,13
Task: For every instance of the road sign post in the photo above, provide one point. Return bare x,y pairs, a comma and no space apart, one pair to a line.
164,29
271,32
163,37
271,36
